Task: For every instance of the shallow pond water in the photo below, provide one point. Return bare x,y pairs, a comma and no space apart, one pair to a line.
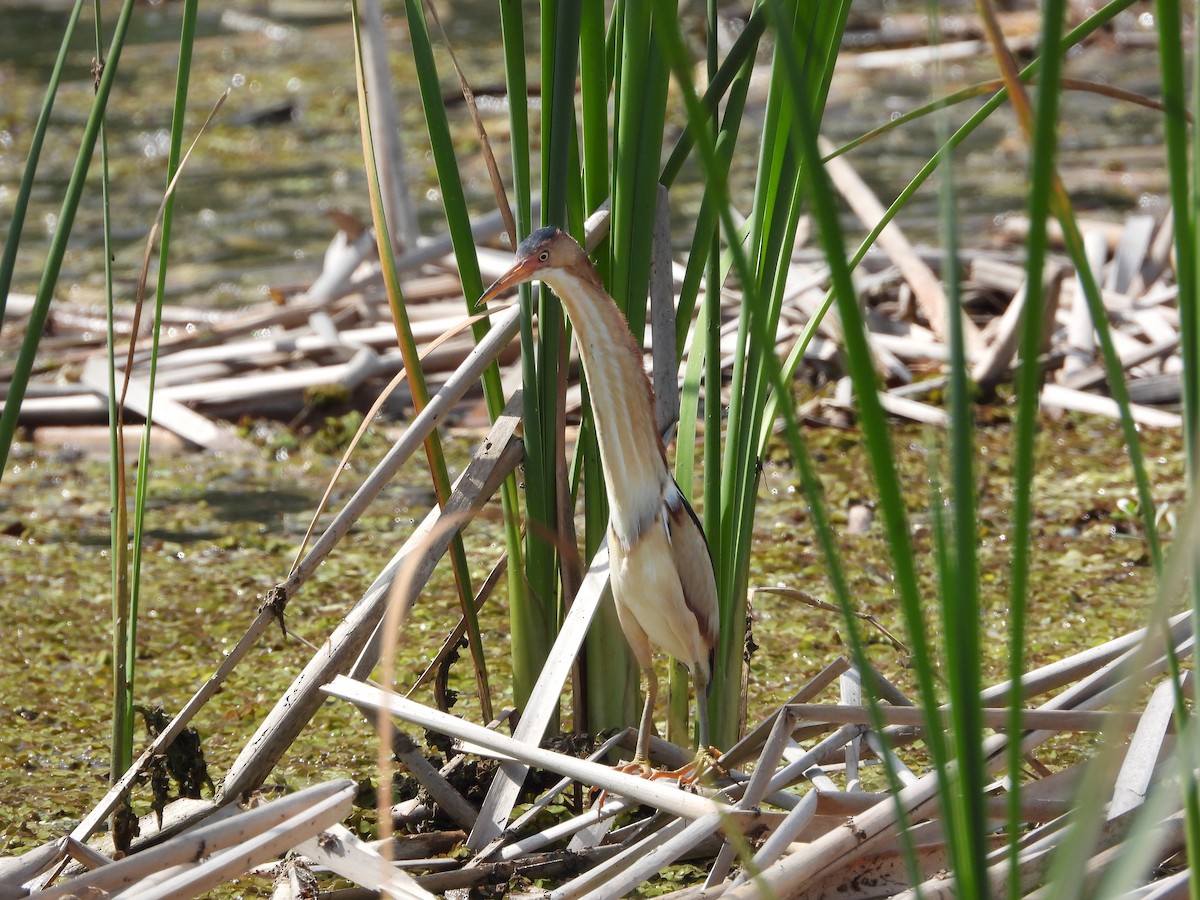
251,212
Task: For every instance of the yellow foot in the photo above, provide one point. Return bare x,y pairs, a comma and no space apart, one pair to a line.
707,761
639,767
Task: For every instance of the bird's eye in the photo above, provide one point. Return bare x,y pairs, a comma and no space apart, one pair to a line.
544,255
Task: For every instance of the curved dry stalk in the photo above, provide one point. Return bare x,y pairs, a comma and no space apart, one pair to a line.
817,603
140,295
467,374
398,605
485,145
451,640
358,636
387,392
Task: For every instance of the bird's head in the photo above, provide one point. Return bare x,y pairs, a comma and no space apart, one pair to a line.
545,251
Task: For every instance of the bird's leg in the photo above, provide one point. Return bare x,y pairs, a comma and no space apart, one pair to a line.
641,755
707,756
701,684
640,764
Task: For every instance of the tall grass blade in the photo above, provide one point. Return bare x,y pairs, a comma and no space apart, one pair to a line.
1065,873
1028,386
958,565
737,63
641,81
1077,34
161,228
609,699
12,240
458,222
872,422
704,264
798,99
528,628
1176,132
121,734
629,176
816,30
1191,343
1183,162
595,80
485,146
23,366
1191,366
1060,206
416,376
512,31
543,356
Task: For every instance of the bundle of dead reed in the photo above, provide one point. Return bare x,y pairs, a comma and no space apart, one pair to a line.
336,338
789,820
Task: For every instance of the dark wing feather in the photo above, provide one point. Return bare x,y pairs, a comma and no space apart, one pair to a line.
694,564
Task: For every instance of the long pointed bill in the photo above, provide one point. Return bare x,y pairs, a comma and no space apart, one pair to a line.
525,270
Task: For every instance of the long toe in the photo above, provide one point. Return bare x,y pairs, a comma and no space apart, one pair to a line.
708,762
702,768
639,767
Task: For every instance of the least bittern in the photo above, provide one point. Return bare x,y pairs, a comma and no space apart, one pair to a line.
661,570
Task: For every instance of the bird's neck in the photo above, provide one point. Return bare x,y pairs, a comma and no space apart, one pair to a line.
631,450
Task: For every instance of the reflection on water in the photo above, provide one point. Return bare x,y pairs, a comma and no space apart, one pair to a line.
251,209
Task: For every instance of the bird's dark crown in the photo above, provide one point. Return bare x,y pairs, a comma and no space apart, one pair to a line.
537,239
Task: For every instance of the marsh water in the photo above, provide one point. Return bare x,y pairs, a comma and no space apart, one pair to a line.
251,213
222,530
